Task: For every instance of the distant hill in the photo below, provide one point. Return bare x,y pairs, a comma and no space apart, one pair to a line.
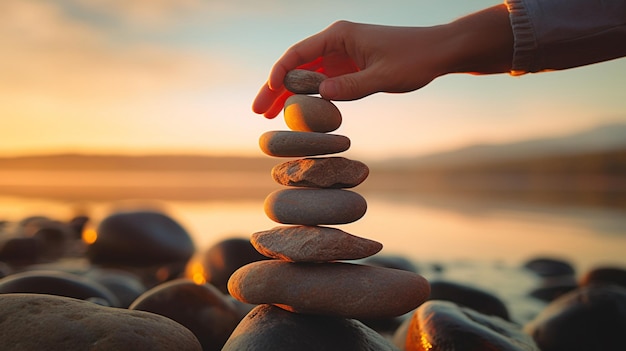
597,140
144,163
587,168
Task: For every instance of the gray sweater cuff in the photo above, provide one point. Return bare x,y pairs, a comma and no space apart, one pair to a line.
525,41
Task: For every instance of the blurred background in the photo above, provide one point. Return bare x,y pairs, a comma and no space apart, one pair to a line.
110,104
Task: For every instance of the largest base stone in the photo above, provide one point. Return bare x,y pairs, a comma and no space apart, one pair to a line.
332,288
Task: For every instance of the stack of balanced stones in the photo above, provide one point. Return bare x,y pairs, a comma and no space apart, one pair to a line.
308,273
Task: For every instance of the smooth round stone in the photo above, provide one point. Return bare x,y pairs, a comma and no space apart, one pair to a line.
269,328
53,323
326,172
312,244
335,289
590,318
140,238
306,113
466,296
301,81
549,267
284,143
314,206
56,283
444,326
223,258
202,309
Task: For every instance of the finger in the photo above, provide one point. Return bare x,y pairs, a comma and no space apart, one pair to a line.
351,86
308,51
264,100
278,105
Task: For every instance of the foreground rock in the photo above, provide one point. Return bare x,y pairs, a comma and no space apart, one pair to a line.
44,322
335,289
269,328
312,244
590,318
444,326
314,206
324,172
200,308
300,144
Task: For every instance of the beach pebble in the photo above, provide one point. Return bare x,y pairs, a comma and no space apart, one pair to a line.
269,328
53,323
223,258
324,172
335,289
554,286
306,113
604,275
56,283
312,244
547,267
301,81
589,318
140,238
444,326
53,235
300,144
314,206
202,309
467,296
126,286
20,250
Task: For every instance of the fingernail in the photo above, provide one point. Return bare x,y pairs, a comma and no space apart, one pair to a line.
328,89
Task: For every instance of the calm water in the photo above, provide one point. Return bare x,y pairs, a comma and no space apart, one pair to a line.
484,240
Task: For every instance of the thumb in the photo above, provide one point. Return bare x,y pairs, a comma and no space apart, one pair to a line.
351,86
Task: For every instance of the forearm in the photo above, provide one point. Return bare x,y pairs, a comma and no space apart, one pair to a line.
481,43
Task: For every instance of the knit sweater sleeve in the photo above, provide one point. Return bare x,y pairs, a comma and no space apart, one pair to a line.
561,34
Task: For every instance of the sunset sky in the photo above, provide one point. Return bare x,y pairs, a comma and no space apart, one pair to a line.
178,76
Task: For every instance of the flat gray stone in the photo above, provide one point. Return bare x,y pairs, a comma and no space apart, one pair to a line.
302,81
314,206
323,172
299,144
313,244
306,113
335,289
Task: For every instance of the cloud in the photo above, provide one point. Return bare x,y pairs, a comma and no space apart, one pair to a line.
47,52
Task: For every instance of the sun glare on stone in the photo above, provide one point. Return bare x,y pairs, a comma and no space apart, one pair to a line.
90,236
426,345
195,272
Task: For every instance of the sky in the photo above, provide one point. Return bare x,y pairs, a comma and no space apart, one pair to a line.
179,76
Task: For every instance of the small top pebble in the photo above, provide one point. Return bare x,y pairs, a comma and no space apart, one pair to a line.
301,81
